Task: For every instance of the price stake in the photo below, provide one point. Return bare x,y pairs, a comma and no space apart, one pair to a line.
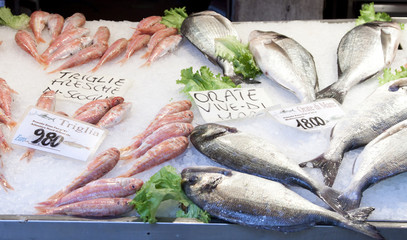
310,116
53,133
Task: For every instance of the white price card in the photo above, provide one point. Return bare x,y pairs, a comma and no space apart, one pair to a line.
310,116
227,104
57,134
80,87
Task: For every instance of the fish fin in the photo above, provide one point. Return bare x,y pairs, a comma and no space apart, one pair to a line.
28,155
360,214
362,227
4,183
330,197
146,55
123,61
328,168
350,200
43,210
330,92
11,124
5,147
49,202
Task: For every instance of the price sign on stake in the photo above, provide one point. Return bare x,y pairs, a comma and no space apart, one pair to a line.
310,116
227,104
57,134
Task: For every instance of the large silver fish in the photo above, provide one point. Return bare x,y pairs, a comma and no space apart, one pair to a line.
385,107
257,202
285,61
383,157
247,153
202,28
362,53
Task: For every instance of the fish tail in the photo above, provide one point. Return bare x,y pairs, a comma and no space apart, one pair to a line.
350,200
328,168
44,210
11,124
146,55
4,183
330,92
49,202
330,197
28,155
123,61
96,68
358,224
5,147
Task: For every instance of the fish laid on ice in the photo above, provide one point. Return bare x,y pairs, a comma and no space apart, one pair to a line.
118,47
75,21
362,53
135,43
165,46
26,42
157,38
98,167
6,97
160,153
47,102
63,39
38,21
385,107
150,25
94,51
202,28
4,147
69,49
101,188
285,61
163,133
93,111
257,202
250,154
55,24
10,123
115,115
382,158
100,207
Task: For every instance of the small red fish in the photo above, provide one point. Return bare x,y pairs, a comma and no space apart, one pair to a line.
101,36
146,23
160,153
112,52
93,111
135,43
38,20
4,146
157,37
4,183
6,119
6,97
71,48
165,46
26,42
100,207
74,21
114,115
163,133
98,167
55,24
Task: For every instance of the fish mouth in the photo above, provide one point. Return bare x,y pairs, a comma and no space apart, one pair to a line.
211,131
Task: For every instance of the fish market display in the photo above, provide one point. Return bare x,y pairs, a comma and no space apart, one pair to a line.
165,46
257,202
379,111
26,42
382,158
115,115
135,43
362,53
246,153
38,21
285,61
202,28
112,52
93,111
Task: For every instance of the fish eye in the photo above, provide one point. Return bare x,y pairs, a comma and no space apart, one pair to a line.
193,179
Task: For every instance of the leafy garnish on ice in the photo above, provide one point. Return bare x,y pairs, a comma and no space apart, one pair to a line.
162,186
203,80
368,14
14,21
389,76
232,50
174,17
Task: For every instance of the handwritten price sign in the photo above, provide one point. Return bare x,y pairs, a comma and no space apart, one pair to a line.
310,116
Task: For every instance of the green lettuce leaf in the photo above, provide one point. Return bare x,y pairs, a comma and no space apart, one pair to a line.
389,76
162,186
14,21
232,50
203,80
174,17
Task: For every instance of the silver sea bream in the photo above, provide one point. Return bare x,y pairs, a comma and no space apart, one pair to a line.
250,154
382,158
285,61
385,107
362,53
202,28
257,202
